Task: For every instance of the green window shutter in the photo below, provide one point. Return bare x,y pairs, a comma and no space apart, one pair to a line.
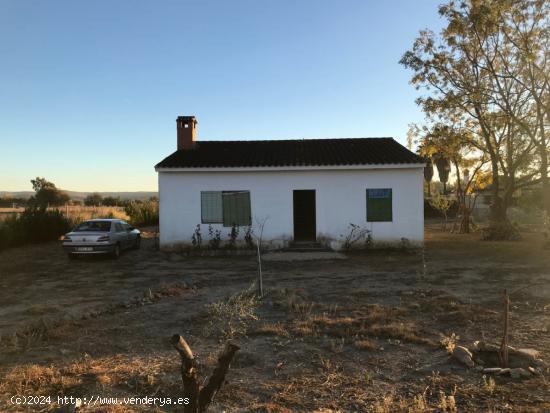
211,207
236,208
379,205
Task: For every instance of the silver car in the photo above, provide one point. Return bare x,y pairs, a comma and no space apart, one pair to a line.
101,236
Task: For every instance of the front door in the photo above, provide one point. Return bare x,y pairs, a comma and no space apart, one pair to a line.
304,215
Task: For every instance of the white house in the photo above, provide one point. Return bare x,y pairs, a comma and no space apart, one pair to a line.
304,190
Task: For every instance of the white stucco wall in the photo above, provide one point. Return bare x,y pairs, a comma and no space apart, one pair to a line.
340,200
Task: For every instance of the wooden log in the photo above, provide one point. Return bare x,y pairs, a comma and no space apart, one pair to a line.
217,378
188,373
199,400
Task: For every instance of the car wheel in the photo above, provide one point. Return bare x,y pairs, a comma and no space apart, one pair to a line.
116,251
137,243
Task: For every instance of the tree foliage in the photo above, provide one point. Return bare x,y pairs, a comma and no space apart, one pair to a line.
486,75
143,212
46,194
93,199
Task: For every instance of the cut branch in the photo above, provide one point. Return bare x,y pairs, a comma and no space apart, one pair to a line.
200,399
188,372
217,378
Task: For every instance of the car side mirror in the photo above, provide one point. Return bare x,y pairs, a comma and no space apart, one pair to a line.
130,229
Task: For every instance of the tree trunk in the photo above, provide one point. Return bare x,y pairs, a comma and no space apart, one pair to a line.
497,213
199,399
188,373
465,221
544,180
218,377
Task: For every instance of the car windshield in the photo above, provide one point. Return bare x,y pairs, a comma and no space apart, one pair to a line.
87,226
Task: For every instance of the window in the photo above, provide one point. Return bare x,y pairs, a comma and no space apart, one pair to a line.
94,226
236,208
119,227
379,205
226,207
211,207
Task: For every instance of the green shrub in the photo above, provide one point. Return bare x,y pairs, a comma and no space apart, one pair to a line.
34,225
143,212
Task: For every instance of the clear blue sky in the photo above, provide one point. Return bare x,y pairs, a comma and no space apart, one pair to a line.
90,90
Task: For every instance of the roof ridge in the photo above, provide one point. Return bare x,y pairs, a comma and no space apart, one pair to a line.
297,139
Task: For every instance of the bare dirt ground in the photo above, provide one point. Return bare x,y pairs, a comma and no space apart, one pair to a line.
356,334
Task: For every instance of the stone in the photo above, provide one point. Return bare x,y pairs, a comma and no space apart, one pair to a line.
519,373
463,355
532,370
492,370
483,346
529,352
479,368
504,372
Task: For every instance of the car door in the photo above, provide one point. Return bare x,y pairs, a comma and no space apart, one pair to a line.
129,233
121,235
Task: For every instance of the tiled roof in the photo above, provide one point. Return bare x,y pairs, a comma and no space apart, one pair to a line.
284,153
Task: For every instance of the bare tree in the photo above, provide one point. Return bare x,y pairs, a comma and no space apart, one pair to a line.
258,237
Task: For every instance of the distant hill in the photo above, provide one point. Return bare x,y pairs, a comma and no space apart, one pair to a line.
79,196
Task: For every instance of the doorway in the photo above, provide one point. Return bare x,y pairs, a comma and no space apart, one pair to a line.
304,215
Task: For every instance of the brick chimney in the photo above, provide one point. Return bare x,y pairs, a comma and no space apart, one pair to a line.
187,132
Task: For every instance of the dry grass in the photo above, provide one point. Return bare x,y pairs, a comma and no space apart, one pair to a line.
77,212
370,320
449,342
391,404
416,404
142,375
489,385
276,329
33,378
329,386
171,290
269,408
365,344
293,301
230,318
37,332
303,329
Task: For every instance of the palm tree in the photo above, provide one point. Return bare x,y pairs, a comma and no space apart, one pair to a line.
428,174
443,169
